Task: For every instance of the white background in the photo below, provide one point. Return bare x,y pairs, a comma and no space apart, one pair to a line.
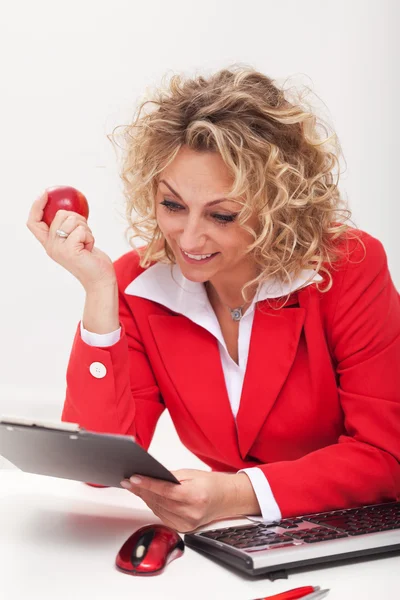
72,71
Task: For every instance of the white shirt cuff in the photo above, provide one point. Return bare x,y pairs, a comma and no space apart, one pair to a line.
101,340
269,508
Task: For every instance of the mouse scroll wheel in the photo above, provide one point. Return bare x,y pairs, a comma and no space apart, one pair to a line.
141,547
140,551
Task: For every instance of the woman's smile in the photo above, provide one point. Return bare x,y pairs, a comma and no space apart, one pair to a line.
197,258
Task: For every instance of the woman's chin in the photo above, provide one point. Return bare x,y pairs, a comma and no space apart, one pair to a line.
195,274
195,277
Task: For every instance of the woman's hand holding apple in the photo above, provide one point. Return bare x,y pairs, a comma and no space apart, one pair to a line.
76,253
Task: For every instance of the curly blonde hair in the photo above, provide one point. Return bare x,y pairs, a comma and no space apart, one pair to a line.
280,165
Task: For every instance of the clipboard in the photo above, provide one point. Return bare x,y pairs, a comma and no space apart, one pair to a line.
67,451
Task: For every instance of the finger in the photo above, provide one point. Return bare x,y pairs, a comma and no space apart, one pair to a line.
167,520
80,235
64,250
172,520
179,515
152,499
177,522
34,223
67,220
157,486
37,208
155,503
77,230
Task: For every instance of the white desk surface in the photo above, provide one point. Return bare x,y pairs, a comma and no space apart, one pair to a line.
59,539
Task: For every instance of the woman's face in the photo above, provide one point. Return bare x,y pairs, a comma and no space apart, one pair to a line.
196,220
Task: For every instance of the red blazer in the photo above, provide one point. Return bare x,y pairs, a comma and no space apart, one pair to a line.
320,406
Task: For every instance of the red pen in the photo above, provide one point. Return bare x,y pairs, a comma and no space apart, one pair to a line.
293,594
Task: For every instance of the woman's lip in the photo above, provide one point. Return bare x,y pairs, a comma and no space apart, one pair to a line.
193,261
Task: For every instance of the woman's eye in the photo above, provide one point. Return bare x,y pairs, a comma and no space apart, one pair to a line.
224,219
220,219
171,206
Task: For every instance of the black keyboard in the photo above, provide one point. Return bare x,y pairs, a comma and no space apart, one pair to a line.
311,528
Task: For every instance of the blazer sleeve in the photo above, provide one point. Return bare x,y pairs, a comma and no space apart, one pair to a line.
363,466
125,399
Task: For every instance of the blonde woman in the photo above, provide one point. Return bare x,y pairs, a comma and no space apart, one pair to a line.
265,325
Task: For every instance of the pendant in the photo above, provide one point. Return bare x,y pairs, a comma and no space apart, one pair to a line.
236,313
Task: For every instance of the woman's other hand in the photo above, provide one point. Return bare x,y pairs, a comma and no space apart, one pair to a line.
201,498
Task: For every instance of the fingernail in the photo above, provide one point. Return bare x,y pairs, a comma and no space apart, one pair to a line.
135,479
125,484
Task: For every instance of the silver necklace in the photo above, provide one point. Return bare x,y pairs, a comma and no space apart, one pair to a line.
236,313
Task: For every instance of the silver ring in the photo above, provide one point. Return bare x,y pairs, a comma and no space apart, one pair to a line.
62,233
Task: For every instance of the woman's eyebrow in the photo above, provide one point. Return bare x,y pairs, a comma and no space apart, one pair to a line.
178,196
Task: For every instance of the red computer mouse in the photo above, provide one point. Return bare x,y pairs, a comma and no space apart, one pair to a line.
149,550
98,485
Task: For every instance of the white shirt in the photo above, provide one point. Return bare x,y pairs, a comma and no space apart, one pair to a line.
168,286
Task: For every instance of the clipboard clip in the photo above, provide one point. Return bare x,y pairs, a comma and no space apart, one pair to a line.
11,421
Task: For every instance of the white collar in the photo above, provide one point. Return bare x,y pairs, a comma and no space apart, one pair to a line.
165,284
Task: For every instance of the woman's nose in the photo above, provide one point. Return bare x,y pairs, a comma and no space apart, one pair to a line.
192,237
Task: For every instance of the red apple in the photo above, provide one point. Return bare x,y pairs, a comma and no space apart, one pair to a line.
65,198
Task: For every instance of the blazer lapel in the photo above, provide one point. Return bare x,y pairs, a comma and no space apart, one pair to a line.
191,358
273,344
188,345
